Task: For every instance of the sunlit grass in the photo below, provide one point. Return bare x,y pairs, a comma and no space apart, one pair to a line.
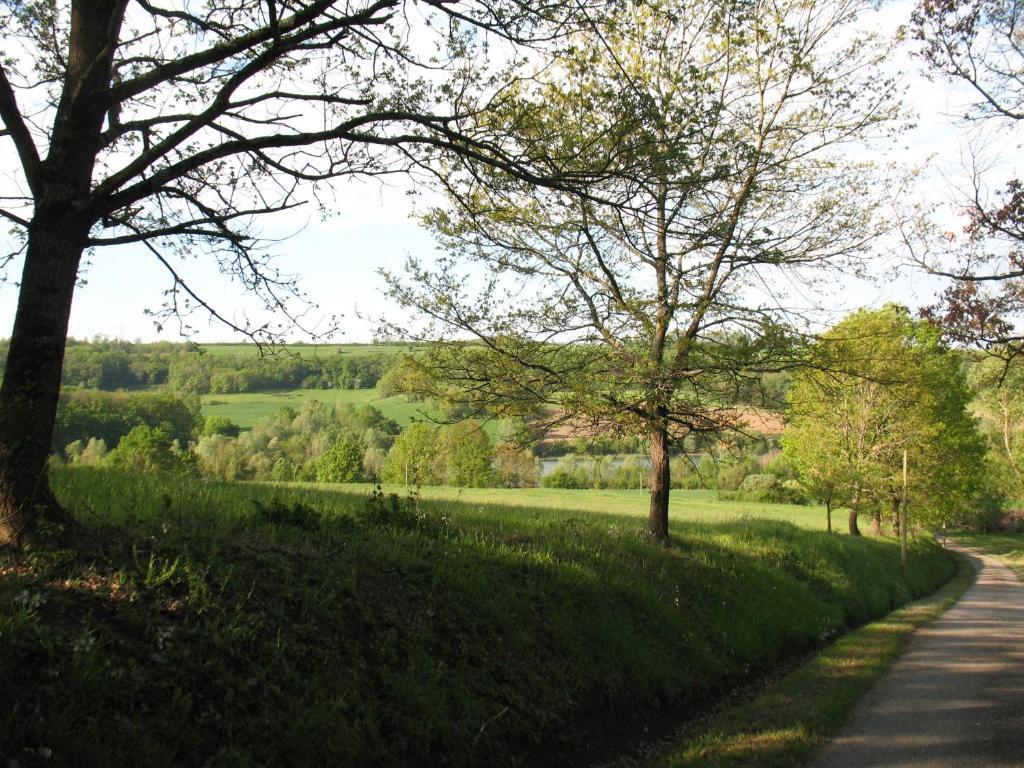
246,407
313,351
684,505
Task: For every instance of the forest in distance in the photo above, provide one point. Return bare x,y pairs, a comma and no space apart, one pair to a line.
360,414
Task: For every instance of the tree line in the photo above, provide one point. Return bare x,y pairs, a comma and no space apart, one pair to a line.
875,385
186,370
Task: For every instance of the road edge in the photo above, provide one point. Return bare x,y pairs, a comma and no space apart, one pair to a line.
787,723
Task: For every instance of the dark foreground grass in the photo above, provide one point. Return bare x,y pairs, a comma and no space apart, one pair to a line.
783,726
218,624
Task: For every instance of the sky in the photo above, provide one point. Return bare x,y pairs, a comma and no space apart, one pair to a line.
373,226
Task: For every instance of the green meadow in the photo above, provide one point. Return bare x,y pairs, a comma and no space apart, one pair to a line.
1008,547
246,407
684,506
311,350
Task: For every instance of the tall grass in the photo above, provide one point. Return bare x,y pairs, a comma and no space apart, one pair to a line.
217,624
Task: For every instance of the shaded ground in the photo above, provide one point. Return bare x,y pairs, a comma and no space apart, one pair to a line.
956,698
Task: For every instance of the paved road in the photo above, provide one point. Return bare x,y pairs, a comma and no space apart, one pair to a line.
956,697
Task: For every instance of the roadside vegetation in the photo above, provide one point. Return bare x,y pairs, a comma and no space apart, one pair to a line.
200,622
784,724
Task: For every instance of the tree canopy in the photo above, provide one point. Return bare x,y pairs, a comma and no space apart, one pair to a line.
177,126
713,135
883,383
977,44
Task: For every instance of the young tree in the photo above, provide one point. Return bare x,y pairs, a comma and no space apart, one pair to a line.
175,125
149,449
515,467
881,383
715,130
466,455
413,458
820,466
342,463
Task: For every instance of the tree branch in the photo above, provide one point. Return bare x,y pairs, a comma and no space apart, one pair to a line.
18,130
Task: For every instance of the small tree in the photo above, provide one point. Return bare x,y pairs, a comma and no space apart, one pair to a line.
149,449
515,467
342,463
413,458
820,465
466,455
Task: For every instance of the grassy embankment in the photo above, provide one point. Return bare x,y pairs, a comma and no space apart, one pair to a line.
785,724
196,627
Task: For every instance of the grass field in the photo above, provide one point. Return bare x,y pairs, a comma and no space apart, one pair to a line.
1009,547
693,506
314,350
204,623
246,407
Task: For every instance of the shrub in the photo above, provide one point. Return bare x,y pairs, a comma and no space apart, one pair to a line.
562,478
279,513
766,488
343,463
732,473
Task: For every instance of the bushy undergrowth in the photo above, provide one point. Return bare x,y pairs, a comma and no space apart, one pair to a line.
218,624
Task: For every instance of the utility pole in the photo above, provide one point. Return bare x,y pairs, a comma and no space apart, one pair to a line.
903,515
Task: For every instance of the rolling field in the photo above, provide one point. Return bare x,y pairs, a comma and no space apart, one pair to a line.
246,407
693,506
313,350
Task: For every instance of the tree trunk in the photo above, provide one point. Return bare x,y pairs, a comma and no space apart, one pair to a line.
657,522
31,384
828,516
894,507
854,504
876,523
57,236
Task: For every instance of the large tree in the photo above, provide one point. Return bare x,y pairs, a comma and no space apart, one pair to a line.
880,384
173,125
719,129
977,45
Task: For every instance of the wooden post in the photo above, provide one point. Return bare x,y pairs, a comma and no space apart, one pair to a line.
903,515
